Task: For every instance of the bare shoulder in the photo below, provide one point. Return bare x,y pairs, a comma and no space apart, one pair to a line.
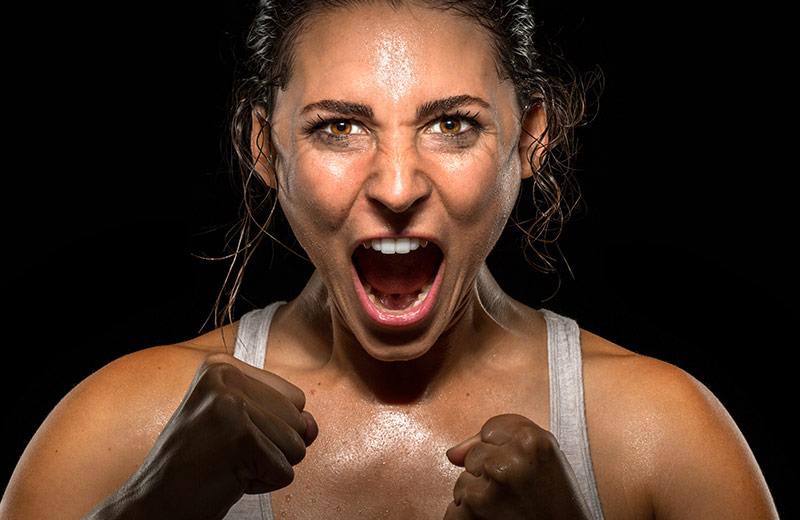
99,433
660,439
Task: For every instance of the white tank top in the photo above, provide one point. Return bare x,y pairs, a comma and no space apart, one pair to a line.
567,412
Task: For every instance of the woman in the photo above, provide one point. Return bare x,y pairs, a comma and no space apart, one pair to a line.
402,382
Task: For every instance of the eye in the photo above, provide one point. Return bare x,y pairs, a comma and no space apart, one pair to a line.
450,125
343,127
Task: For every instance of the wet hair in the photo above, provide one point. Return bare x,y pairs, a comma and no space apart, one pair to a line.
511,27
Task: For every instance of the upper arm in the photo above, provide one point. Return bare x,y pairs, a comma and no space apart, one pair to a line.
97,436
707,467
663,444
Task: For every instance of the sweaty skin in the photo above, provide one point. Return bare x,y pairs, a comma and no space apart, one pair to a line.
361,152
394,64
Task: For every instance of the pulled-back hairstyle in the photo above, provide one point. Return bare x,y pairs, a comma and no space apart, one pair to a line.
511,27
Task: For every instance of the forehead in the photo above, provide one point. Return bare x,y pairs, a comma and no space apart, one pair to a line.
404,54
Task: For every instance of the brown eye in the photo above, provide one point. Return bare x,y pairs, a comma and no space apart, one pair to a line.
450,126
341,128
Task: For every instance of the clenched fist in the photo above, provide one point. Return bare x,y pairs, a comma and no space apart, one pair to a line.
513,469
238,430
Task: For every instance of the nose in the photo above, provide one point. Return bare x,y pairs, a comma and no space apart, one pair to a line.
398,181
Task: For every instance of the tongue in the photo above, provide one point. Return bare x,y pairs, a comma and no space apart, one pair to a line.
396,302
398,274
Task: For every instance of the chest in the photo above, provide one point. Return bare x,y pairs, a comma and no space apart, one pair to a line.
389,461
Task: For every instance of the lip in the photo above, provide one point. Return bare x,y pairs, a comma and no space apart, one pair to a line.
413,315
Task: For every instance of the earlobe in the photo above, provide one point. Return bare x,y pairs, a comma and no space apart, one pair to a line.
261,147
533,138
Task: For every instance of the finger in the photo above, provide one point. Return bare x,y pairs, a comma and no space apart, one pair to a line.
269,468
471,493
457,453
474,460
455,512
500,429
492,462
271,399
284,437
312,430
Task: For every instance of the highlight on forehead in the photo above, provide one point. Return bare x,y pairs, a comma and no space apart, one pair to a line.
303,23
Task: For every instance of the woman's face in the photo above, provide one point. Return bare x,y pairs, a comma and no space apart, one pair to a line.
397,157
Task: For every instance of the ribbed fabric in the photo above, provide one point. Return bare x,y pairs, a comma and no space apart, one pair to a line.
567,411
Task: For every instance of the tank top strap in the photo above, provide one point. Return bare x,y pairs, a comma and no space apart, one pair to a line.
252,335
251,347
567,408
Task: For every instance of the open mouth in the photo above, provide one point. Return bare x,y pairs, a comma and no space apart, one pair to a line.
398,278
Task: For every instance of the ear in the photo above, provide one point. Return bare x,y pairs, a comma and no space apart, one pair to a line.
533,138
261,146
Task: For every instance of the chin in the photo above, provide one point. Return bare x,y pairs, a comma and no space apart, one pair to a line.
393,346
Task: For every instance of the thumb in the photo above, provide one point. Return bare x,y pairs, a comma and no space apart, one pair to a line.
457,453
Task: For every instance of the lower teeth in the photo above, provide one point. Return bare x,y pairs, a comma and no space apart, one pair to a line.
421,295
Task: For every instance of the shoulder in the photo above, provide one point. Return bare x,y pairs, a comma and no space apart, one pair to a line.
100,432
675,442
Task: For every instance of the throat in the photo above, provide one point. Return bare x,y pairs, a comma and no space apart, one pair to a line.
400,382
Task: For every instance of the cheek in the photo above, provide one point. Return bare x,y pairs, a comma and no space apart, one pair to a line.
317,192
481,188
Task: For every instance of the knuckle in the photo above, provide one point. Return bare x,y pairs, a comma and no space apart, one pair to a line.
470,492
213,374
528,439
537,443
280,475
275,477
499,470
261,460
216,363
225,407
217,358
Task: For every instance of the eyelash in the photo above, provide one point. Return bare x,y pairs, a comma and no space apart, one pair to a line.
463,117
315,125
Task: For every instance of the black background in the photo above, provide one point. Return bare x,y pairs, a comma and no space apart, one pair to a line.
114,175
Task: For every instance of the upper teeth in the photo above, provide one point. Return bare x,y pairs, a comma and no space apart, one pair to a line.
390,246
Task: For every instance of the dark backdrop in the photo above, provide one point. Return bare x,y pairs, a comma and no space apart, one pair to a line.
113,181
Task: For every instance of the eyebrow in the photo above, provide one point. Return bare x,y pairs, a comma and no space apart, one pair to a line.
426,110
442,106
340,107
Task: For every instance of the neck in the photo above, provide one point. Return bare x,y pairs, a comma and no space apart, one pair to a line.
393,382
475,333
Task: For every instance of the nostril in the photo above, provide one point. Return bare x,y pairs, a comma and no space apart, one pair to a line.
399,203
398,185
